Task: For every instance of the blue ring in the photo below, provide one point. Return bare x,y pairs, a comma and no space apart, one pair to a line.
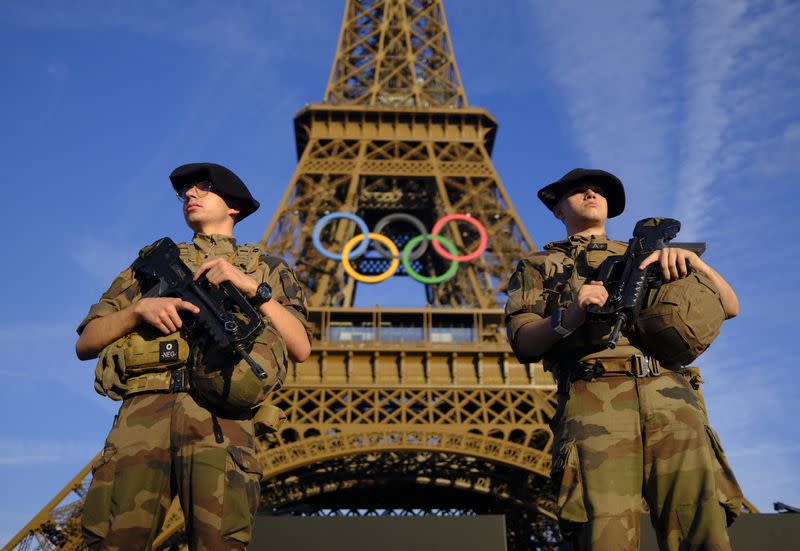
322,222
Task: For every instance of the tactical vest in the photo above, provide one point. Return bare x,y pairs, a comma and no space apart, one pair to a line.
566,267
138,362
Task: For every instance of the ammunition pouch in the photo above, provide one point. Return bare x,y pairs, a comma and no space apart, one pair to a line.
144,351
268,419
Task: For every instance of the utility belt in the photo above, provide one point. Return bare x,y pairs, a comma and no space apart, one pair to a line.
174,380
637,365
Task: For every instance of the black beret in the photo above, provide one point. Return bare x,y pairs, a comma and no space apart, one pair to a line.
224,183
612,188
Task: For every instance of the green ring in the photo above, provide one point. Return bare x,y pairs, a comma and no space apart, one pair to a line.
451,271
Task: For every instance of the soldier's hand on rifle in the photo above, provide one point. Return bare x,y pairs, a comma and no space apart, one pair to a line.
163,313
674,262
220,270
591,294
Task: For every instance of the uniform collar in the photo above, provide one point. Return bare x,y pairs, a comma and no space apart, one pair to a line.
584,240
576,241
217,244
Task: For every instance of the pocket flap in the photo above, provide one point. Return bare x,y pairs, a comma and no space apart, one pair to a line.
246,459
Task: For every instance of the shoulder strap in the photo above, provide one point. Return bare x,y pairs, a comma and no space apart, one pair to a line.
185,251
247,255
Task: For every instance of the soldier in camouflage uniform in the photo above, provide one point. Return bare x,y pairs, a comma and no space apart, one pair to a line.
167,439
625,428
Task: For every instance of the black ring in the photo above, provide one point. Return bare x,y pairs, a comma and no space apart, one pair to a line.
414,221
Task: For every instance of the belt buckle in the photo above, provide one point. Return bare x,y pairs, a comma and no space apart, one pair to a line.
644,366
178,380
655,367
641,366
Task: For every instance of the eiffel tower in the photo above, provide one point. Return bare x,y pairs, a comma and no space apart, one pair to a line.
399,411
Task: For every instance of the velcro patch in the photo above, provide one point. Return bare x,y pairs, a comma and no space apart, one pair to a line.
168,351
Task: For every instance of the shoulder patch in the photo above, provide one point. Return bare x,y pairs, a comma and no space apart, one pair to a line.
273,262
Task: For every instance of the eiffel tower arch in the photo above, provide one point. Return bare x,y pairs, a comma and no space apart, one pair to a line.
398,411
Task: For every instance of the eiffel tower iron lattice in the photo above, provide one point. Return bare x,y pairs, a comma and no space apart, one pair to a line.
391,399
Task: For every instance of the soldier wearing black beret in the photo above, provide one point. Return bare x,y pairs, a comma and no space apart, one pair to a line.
626,427
185,426
224,182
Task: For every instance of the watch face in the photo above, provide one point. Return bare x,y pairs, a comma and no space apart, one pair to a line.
264,292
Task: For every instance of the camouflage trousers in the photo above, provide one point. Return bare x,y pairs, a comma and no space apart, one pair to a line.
619,439
164,445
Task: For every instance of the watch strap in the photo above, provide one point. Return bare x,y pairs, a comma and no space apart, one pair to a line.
263,294
557,323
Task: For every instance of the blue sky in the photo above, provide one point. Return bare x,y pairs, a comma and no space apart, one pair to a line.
693,104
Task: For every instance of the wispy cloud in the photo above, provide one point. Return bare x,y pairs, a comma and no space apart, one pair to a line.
57,69
740,103
681,103
257,31
101,258
33,332
608,60
715,41
227,27
15,451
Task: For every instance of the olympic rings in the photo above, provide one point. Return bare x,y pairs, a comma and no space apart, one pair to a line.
414,221
451,256
332,216
371,279
413,249
451,271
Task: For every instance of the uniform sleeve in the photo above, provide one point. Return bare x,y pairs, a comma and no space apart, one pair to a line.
120,295
525,303
287,290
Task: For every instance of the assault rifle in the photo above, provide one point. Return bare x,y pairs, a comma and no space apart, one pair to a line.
626,284
162,273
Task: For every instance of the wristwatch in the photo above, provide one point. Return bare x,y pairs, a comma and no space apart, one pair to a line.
263,294
557,323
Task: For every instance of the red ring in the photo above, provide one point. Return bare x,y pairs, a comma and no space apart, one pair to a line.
466,258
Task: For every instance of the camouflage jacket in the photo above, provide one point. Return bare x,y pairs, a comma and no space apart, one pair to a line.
549,279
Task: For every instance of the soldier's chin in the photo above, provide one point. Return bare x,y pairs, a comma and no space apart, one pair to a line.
193,221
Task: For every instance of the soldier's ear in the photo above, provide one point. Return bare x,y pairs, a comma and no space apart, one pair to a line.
557,212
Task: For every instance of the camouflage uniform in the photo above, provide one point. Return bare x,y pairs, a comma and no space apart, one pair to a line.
164,444
618,437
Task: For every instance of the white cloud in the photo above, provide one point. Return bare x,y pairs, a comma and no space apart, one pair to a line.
713,46
609,59
57,70
738,90
792,132
257,32
100,258
35,332
221,26
15,451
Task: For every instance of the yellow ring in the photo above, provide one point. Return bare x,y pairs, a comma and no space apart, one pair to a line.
370,279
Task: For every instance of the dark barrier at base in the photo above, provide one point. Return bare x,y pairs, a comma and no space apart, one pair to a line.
479,533
749,533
